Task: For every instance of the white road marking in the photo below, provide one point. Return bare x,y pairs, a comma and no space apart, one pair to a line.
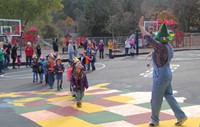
149,72
103,66
23,75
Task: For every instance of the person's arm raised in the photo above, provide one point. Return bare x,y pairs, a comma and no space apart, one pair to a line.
141,26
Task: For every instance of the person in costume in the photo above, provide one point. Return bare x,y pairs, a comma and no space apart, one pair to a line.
59,69
93,60
41,68
69,72
162,75
35,67
50,70
79,83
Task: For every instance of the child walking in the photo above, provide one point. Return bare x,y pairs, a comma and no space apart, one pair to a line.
34,67
41,68
59,69
69,71
50,70
93,60
19,61
79,83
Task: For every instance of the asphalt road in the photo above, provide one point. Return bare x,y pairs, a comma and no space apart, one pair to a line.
125,74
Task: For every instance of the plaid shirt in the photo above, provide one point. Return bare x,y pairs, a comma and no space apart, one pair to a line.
160,54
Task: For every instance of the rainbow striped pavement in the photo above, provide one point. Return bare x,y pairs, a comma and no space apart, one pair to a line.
102,107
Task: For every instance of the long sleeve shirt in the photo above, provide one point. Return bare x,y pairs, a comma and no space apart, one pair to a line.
160,54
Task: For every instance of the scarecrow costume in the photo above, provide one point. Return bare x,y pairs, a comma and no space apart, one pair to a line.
162,76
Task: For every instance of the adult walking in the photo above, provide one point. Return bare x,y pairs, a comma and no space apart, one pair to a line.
1,58
127,46
101,49
162,75
7,47
70,50
110,48
38,50
55,45
14,54
29,54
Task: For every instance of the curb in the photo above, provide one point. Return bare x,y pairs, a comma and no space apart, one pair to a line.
123,55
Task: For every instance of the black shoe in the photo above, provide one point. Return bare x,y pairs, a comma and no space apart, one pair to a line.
153,124
58,89
61,87
41,82
33,80
14,68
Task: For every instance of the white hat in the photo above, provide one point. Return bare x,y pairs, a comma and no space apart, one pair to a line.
29,43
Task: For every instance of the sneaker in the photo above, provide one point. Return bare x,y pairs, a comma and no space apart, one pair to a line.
58,89
153,124
180,122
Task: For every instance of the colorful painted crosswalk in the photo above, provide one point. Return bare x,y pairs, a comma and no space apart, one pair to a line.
102,107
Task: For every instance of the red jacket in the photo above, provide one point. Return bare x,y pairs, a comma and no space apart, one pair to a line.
29,51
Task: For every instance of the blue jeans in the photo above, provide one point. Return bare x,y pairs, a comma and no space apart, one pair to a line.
28,60
41,76
92,64
71,54
51,80
7,61
35,76
110,53
79,95
126,51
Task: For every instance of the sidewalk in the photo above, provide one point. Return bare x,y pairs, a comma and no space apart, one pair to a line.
65,56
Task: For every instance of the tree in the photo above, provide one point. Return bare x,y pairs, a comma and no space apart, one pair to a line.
125,20
188,14
28,10
49,31
97,13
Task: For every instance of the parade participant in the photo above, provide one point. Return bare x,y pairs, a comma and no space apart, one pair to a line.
45,70
41,63
34,67
29,54
162,75
88,54
69,71
110,47
82,59
19,61
14,54
59,69
1,58
93,60
50,70
79,83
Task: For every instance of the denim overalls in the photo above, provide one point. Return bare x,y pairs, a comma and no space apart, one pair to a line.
162,78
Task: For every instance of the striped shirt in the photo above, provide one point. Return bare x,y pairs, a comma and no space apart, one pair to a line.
160,54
